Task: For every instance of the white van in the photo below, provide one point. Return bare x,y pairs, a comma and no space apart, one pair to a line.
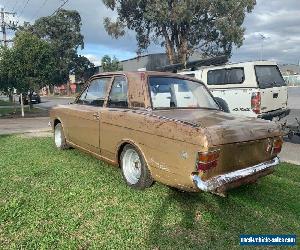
254,89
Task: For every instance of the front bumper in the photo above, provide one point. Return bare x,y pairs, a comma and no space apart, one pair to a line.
223,182
276,113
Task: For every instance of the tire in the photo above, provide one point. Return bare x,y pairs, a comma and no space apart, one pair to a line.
134,168
59,137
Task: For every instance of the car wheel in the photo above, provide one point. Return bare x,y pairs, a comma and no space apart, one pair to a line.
59,137
134,168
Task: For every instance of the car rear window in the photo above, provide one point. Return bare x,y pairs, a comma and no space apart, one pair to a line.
225,76
172,92
269,76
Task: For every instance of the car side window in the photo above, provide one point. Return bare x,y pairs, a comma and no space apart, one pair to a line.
118,95
225,76
96,92
235,76
216,77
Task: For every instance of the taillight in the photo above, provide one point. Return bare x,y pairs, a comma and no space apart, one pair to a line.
277,146
207,160
256,102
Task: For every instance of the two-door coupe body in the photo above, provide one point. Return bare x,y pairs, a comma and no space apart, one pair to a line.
167,128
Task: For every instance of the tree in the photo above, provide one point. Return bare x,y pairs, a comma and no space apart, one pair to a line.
28,65
63,32
6,79
212,27
109,65
80,66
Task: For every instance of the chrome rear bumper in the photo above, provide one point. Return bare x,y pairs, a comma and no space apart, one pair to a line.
216,182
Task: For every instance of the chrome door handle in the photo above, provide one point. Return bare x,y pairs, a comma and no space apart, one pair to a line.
96,116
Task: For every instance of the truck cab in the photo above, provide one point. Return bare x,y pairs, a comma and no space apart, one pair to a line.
254,89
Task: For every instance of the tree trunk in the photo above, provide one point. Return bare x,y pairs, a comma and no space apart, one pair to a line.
48,90
169,46
183,50
29,101
10,96
68,88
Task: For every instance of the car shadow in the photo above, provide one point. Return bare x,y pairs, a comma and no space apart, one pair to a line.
207,221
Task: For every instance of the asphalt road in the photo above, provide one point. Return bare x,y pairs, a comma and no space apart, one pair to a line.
291,149
49,102
294,97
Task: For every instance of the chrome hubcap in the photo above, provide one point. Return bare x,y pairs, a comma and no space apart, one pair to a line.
131,166
57,136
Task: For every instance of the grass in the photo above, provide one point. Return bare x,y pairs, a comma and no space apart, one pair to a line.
5,103
67,199
12,112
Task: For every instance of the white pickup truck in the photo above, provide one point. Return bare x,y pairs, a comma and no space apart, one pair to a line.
254,89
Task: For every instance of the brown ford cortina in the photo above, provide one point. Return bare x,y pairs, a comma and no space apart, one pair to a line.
167,128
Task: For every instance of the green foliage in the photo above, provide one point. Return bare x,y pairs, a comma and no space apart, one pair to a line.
5,103
110,65
63,32
181,26
44,53
62,29
79,67
29,64
53,199
6,79
16,112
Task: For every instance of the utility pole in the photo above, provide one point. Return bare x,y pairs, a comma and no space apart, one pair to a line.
5,25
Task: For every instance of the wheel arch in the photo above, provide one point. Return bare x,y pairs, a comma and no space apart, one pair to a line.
56,121
121,146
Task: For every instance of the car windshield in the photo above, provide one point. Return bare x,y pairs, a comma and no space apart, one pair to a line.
269,76
172,92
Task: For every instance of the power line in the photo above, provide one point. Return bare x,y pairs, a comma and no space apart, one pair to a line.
15,5
39,9
23,8
60,7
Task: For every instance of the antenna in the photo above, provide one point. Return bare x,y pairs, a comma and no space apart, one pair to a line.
262,37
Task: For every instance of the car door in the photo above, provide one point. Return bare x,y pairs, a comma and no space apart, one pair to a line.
84,115
113,125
